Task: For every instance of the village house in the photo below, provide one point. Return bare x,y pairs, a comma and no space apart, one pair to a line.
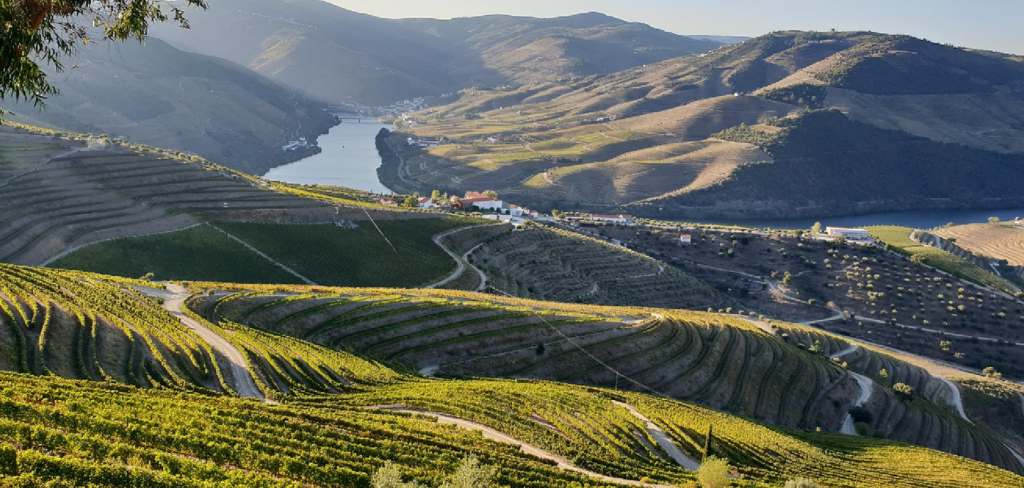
480,201
425,202
686,239
389,203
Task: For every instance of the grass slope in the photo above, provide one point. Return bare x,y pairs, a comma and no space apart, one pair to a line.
200,253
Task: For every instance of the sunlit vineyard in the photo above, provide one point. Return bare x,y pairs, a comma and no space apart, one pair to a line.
340,416
720,361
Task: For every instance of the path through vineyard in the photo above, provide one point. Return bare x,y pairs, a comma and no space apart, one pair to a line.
174,300
530,449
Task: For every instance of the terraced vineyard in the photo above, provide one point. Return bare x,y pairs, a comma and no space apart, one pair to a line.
718,361
341,417
552,264
88,196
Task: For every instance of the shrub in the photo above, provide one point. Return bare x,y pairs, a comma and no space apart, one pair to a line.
389,476
714,473
903,389
861,414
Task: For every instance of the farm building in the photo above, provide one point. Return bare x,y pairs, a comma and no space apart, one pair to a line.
686,238
425,202
614,219
846,233
480,201
389,203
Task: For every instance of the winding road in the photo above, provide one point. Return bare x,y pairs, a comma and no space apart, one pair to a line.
527,448
460,261
174,301
663,439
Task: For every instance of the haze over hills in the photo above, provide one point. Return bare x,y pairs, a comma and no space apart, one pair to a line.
161,96
337,56
681,137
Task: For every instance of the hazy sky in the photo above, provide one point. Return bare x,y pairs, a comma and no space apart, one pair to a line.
986,24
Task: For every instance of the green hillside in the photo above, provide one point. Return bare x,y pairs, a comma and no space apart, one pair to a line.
338,418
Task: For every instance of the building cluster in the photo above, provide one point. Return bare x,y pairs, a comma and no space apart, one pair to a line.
299,145
423,142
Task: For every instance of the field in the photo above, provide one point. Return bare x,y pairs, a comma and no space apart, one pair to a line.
899,239
199,253
357,255
404,256
1003,242
69,322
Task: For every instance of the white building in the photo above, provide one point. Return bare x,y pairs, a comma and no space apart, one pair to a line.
425,202
686,238
613,219
848,234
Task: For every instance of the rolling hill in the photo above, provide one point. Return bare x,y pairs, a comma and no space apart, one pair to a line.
787,124
338,56
97,353
155,94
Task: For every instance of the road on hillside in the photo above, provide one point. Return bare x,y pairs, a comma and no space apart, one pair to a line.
460,261
174,301
530,449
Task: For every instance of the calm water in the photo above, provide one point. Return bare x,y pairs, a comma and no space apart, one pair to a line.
919,219
349,159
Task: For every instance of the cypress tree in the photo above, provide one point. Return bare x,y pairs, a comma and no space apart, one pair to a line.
707,443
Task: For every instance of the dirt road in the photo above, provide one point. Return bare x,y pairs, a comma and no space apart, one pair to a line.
174,301
530,449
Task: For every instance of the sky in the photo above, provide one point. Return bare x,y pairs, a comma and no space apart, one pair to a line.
984,24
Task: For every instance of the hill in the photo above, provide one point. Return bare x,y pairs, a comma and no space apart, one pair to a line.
339,57
84,326
737,132
64,193
155,94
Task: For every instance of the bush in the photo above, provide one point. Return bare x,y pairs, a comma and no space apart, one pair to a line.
801,483
389,476
471,475
903,389
714,473
861,414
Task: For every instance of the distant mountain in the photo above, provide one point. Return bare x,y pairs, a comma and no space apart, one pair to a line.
786,124
164,97
338,56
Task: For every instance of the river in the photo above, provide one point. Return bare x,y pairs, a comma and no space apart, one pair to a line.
918,219
349,158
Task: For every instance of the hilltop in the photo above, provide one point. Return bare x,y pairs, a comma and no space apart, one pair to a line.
339,57
155,94
787,124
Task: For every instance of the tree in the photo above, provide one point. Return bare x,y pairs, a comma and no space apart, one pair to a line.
713,473
816,228
48,31
991,372
389,476
993,220
787,278
435,195
411,201
491,193
707,442
471,474
903,389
